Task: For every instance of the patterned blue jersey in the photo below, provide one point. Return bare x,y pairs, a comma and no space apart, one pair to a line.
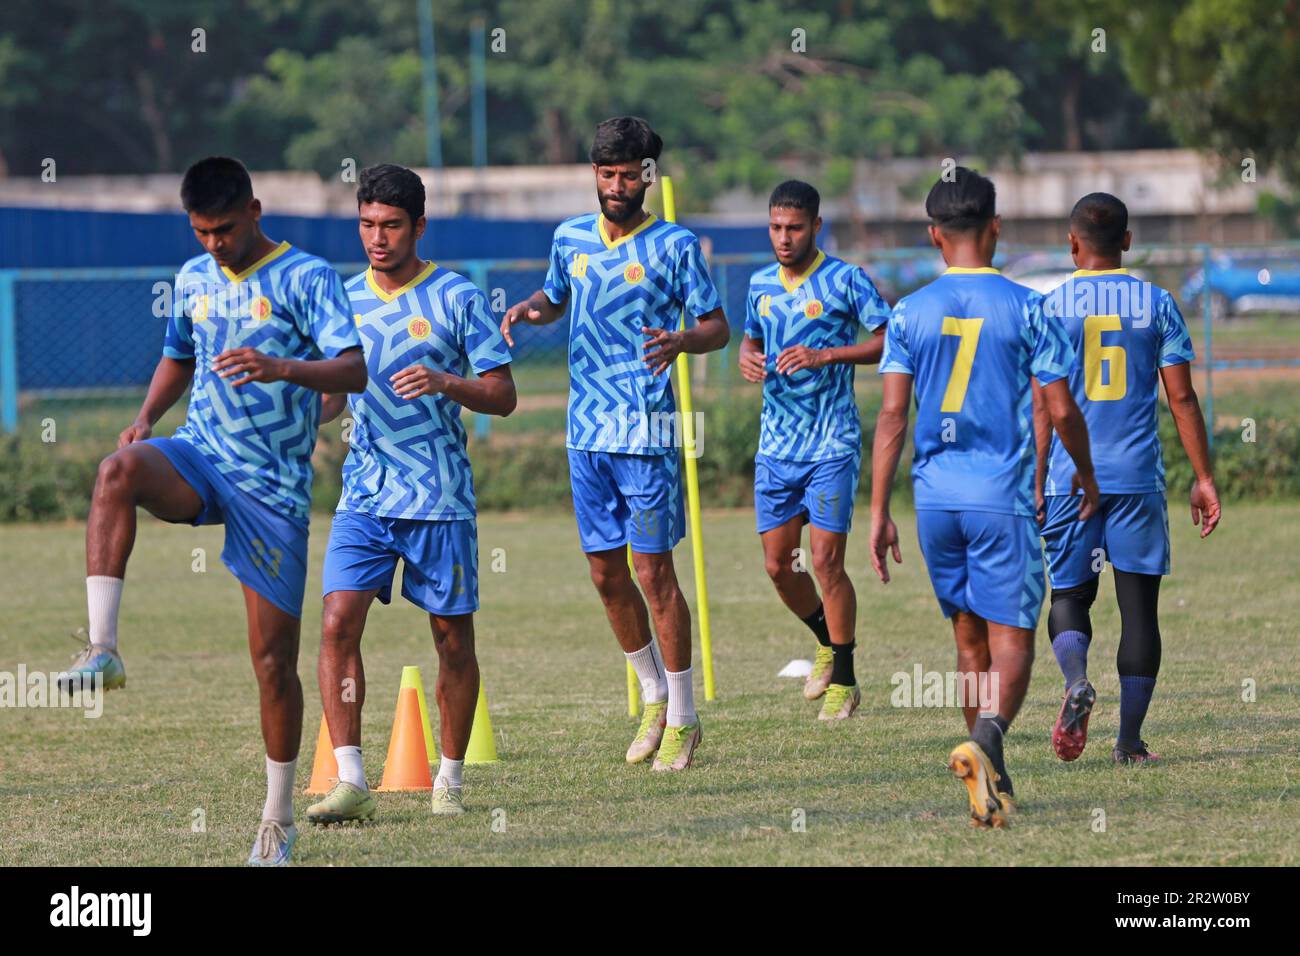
407,457
972,340
811,415
614,289
260,435
1124,331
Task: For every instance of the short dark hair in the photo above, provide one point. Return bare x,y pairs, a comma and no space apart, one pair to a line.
1100,220
215,185
625,139
392,185
796,194
965,203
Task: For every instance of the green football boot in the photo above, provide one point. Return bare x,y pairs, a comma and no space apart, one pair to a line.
345,803
92,659
447,801
650,733
677,749
840,703
820,676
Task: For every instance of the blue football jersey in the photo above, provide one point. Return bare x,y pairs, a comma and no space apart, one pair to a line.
972,340
260,435
1124,330
407,457
644,279
811,415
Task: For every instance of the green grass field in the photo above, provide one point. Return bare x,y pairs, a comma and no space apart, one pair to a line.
183,736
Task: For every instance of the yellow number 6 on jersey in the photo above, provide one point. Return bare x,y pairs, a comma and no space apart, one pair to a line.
968,330
1094,353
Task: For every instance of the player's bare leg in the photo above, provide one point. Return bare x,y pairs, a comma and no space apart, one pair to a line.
273,645
135,476
841,603
630,620
457,692
1007,654
672,619
794,585
342,678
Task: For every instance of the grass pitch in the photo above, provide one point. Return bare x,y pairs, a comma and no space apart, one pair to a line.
181,743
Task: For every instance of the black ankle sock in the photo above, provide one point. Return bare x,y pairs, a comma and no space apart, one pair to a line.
842,664
988,733
816,622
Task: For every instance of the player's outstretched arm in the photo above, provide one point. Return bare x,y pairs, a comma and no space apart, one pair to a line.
346,372
1070,425
1042,444
492,393
798,357
1186,409
709,333
753,361
537,309
170,380
891,424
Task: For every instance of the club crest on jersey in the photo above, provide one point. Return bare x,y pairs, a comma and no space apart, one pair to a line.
634,272
419,327
260,309
812,309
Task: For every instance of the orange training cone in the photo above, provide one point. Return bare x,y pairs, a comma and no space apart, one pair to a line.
407,766
482,747
325,766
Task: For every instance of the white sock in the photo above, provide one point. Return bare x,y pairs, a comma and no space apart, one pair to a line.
350,768
450,772
681,699
650,671
279,791
103,597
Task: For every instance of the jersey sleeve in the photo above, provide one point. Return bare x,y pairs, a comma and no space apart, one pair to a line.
692,285
868,304
753,325
325,313
480,333
178,341
897,356
1050,353
1175,340
556,286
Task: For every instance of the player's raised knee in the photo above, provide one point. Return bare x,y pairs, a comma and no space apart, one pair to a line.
118,474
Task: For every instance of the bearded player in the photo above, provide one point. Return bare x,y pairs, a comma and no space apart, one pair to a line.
625,277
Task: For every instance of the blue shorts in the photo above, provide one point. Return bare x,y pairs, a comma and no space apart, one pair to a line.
1129,531
622,499
986,563
821,492
440,569
264,549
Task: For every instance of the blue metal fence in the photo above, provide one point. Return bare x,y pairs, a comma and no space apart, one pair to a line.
79,332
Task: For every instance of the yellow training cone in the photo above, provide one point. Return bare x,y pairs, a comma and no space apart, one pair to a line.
411,678
482,746
325,766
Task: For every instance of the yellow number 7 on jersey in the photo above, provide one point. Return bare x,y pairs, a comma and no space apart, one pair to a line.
968,330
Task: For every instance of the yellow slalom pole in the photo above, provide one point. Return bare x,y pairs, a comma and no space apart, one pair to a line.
633,685
692,482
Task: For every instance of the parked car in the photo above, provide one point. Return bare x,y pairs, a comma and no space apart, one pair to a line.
1240,285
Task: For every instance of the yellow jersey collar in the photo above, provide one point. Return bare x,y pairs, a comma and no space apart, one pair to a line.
390,296
275,253
791,284
611,243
